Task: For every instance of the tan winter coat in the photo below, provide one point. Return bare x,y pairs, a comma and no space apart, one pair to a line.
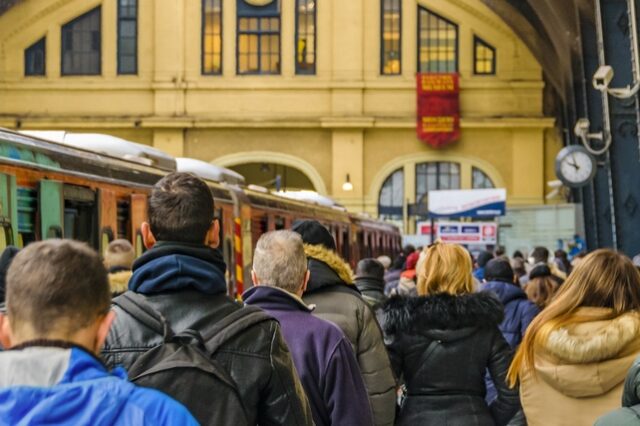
581,370
119,282
331,288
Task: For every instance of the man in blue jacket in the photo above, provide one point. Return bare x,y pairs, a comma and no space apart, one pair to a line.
518,312
58,316
322,354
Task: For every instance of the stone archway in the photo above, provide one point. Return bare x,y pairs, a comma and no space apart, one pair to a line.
276,158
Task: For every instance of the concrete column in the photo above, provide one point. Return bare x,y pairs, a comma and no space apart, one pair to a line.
528,174
287,38
109,51
170,141
409,196
169,59
228,38
347,158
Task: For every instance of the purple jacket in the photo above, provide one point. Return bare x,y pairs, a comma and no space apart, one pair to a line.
323,357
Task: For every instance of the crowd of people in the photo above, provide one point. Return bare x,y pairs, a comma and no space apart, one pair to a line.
434,336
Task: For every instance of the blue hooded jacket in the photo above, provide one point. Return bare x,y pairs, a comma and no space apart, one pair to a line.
519,311
69,386
172,266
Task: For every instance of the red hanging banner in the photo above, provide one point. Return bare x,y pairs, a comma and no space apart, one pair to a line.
438,121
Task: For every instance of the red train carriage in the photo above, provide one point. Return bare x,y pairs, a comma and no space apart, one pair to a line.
94,188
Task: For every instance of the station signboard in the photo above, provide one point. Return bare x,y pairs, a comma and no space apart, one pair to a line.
467,203
468,232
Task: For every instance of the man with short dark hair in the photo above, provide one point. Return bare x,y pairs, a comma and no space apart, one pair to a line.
322,354
58,302
182,276
370,282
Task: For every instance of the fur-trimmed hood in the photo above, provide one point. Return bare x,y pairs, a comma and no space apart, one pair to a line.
119,281
590,358
327,268
442,312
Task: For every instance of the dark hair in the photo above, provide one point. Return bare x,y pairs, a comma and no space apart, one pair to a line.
484,258
56,284
517,254
370,268
408,249
540,254
498,270
181,209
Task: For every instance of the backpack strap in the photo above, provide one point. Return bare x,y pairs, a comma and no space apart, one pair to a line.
216,334
137,306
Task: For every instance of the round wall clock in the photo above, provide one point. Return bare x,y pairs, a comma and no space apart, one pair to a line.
575,166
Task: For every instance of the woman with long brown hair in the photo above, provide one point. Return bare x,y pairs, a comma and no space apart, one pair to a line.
442,343
573,360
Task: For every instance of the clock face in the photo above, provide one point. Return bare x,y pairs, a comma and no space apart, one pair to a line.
575,166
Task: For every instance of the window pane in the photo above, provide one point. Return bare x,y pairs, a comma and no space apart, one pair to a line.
258,47
480,180
212,36
305,43
34,58
391,37
484,57
391,200
437,43
81,45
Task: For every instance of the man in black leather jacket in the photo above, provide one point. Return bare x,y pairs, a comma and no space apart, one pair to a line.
182,276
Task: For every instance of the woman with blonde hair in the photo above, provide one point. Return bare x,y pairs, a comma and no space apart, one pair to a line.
442,342
573,360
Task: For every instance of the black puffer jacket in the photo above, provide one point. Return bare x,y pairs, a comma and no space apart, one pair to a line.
337,299
442,345
186,283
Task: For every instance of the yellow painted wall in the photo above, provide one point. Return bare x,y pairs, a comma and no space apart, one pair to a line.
345,119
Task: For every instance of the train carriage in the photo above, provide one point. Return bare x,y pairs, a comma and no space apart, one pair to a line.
94,188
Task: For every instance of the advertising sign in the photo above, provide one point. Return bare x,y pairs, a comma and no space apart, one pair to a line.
468,232
438,115
468,203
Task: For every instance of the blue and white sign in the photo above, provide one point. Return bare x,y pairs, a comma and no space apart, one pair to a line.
468,203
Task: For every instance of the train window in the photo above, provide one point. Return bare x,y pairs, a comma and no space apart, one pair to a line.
346,245
80,214
360,242
6,235
106,236
259,225
124,221
279,223
139,247
27,208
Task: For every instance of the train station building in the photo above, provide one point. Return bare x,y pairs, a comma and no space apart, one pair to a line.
305,94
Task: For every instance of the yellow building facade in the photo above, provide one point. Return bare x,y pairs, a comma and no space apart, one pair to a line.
341,101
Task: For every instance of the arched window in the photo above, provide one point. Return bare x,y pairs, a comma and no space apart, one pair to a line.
480,180
437,43
306,36
258,47
436,175
81,45
211,37
391,198
390,37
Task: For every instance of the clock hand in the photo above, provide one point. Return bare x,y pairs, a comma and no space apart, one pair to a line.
574,164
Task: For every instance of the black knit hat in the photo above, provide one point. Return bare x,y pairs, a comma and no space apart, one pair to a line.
540,271
498,270
312,232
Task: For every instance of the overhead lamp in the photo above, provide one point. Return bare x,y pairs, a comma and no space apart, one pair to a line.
347,185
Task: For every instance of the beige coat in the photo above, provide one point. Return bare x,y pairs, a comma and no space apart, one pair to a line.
581,370
119,282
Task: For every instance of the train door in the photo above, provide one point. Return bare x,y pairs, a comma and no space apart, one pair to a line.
108,217
51,208
138,215
8,211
